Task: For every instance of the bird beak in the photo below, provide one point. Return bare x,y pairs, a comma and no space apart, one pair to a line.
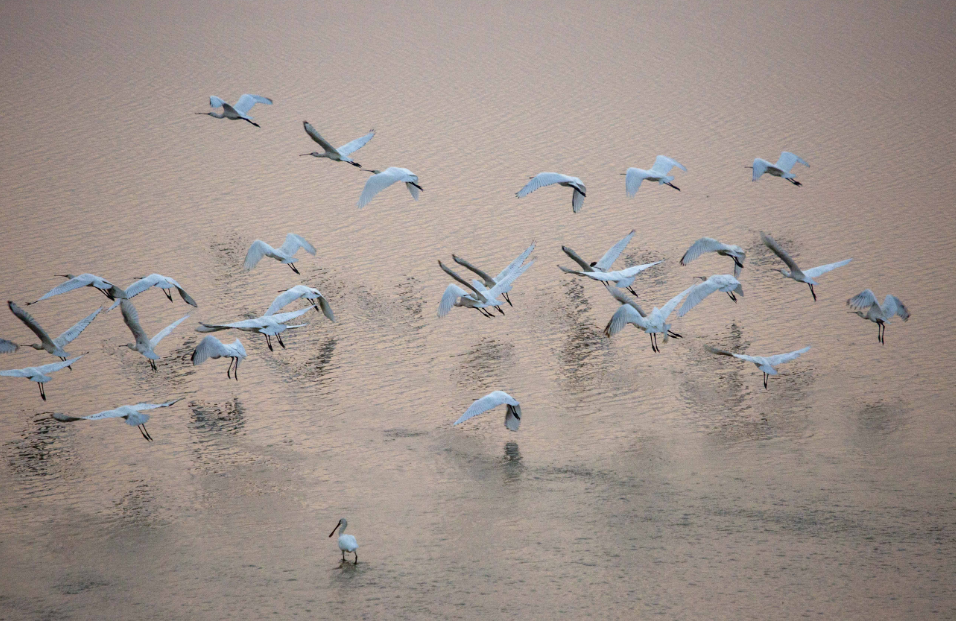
334,529
304,154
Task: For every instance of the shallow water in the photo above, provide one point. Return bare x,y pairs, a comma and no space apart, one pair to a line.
639,484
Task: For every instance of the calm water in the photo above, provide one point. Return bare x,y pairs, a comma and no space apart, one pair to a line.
640,484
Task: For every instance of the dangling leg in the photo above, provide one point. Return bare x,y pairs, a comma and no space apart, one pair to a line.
152,363
42,393
292,265
672,185
674,335
269,342
229,370
731,294
169,296
813,293
507,299
279,338
498,308
631,289
765,377
142,430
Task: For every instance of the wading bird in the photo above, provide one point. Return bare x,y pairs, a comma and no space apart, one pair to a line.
52,346
269,325
780,169
156,280
549,178
211,347
144,344
880,314
132,414
491,401
723,282
604,263
336,155
658,172
8,347
347,543
707,244
381,179
795,273
764,363
653,324
39,374
477,299
84,280
487,282
238,111
302,292
284,254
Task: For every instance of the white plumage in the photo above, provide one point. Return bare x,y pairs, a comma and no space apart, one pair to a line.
708,244
487,282
336,155
302,292
723,282
764,363
39,374
102,285
805,276
867,307
491,401
550,178
347,543
381,179
653,324
240,111
211,347
269,325
284,254
132,414
52,346
658,172
144,344
156,280
479,299
780,169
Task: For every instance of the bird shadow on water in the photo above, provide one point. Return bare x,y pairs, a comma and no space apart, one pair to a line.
480,368
511,462
41,454
584,343
214,428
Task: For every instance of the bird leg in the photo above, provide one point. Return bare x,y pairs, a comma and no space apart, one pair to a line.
292,265
356,558
674,335
316,307
795,182
672,185
765,377
152,363
229,369
731,294
629,288
507,299
250,122
653,346
235,372
498,308
813,293
269,342
343,556
42,392
142,430
279,338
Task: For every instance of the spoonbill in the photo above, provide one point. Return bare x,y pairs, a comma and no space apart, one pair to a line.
347,543
764,363
52,346
604,263
269,325
381,179
491,401
132,414
156,280
8,347
144,344
284,254
723,282
621,278
302,292
795,273
102,285
336,155
238,111
880,314
39,374
707,244
549,178
658,172
780,169
487,282
478,299
653,324
211,347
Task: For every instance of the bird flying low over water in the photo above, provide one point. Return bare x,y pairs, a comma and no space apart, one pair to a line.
658,172
653,324
480,299
336,155
764,363
487,282
284,254
707,244
144,344
780,169
52,346
347,543
723,282
604,263
806,276
381,179
305,293
549,178
102,285
211,347
156,280
269,325
238,111
867,307
621,278
132,414
39,374
491,401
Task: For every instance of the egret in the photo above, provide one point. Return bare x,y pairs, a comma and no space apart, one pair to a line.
302,292
238,111
604,263
144,344
381,179
696,294
880,314
336,155
132,414
102,285
764,363
211,347
39,374
491,401
707,244
549,178
284,254
653,324
621,278
156,280
347,543
269,325
623,298
8,347
478,299
780,169
658,172
795,273
487,282
52,346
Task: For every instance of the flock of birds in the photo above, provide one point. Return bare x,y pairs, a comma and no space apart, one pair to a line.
484,293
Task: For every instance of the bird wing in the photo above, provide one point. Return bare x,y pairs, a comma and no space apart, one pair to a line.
624,315
892,305
16,373
292,244
74,283
673,302
67,337
412,189
257,250
760,167
699,247
663,164
577,200
56,366
488,402
787,160
542,179
633,179
314,135
452,293
781,358
165,332
627,272
577,259
215,102
516,263
326,308
282,300
719,352
823,269
376,183
31,323
131,318
117,413
286,317
862,300
355,145
245,103
142,285
451,273
771,243
504,284
8,347
209,347
621,296
139,407
697,293
513,417
605,262
487,280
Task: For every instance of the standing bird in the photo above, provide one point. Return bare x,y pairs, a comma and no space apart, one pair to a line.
707,244
238,111
283,254
381,179
658,172
880,314
156,280
52,346
102,285
723,282
764,363
347,543
8,347
795,273
269,325
604,263
302,292
144,344
132,414
336,155
478,299
780,169
211,347
487,282
39,374
653,324
549,178
491,401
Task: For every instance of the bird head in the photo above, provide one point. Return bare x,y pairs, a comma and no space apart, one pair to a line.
341,523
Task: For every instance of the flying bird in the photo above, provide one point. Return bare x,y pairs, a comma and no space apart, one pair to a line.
302,292
102,285
39,374
284,254
764,363
549,178
132,414
867,307
156,280
604,263
780,169
211,347
269,325
477,299
238,111
347,543
653,324
707,244
487,282
52,346
696,294
381,179
144,344
658,172
795,273
621,278
491,401
336,155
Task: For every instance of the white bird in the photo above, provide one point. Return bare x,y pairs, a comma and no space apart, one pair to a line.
707,244
658,172
156,280
269,325
144,344
283,254
491,401
39,374
806,276
478,299
723,282
102,285
487,282
381,179
336,155
621,278
880,314
604,263
549,178
780,169
52,346
8,347
653,324
347,543
764,363
302,292
238,111
132,414
211,347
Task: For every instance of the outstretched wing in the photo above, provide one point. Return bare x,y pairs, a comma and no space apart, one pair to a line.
467,284
56,366
215,102
673,302
663,164
131,318
516,263
862,300
605,262
760,167
699,247
781,358
326,308
117,413
282,300
8,347
771,243
355,145
209,347
292,244
314,135
487,281
823,269
633,179
787,160
504,284
892,305
376,183
165,332
139,407
67,337
257,250
30,322
577,259
697,293
621,296
542,179
627,272
16,373
622,316
577,200
452,293
719,352
245,103
488,402
286,317
74,283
